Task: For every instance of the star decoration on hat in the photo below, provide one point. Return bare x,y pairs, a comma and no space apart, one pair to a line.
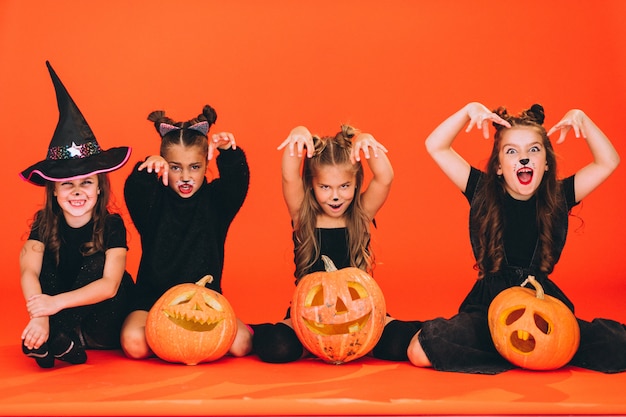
74,150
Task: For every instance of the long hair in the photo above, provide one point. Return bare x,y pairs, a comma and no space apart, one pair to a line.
183,135
48,218
331,151
488,214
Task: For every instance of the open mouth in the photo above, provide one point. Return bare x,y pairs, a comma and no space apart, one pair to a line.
185,188
77,203
335,207
525,175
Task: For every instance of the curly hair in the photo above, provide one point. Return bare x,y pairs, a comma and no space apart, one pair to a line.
331,151
488,216
183,135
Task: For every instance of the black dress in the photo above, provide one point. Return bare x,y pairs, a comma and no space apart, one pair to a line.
463,343
98,324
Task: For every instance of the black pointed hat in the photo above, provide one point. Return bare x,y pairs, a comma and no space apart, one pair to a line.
73,151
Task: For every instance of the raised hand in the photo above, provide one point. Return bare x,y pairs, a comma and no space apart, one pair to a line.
298,140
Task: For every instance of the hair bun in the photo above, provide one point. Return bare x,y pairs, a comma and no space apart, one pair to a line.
156,116
210,114
536,112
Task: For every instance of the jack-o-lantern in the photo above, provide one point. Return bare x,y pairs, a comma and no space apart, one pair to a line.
191,324
338,315
533,330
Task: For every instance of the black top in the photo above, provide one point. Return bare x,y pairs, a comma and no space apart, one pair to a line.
183,239
69,274
334,244
520,222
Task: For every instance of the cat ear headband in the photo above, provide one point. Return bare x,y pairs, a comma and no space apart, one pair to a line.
202,127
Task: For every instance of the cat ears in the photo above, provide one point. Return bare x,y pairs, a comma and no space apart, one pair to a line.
202,127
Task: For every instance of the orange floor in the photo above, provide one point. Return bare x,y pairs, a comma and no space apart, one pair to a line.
109,384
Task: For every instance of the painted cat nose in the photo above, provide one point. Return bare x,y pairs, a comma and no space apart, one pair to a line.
524,161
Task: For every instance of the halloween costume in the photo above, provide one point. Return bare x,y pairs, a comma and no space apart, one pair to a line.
183,239
278,343
74,153
463,343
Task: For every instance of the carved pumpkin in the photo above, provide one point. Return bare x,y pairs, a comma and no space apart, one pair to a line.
191,324
338,315
533,330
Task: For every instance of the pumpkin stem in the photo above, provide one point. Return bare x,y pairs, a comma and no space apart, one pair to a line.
207,279
329,266
536,284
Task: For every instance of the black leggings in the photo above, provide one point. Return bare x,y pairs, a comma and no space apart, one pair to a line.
278,343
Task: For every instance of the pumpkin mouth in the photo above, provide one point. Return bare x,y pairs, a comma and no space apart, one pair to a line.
192,314
523,341
188,323
352,326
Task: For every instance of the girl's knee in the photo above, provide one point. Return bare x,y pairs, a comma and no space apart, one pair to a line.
242,345
134,344
133,336
416,353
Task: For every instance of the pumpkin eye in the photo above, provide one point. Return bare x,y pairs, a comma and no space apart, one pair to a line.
514,316
357,291
542,324
212,303
315,297
183,298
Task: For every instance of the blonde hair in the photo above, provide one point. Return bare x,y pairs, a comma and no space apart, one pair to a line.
331,151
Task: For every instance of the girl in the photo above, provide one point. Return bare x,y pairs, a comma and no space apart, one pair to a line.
181,218
331,215
73,264
518,225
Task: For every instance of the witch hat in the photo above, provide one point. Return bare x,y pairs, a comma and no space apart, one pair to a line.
73,151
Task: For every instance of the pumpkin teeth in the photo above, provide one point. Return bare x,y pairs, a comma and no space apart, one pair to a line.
354,328
192,323
197,317
523,334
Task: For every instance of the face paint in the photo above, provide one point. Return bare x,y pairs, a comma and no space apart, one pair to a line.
185,187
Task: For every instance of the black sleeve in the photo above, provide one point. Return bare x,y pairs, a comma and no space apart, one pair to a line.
114,232
233,182
472,183
140,189
570,192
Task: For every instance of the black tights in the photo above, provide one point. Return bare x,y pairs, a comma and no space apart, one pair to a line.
276,343
395,340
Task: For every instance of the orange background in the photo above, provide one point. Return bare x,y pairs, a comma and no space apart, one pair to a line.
395,69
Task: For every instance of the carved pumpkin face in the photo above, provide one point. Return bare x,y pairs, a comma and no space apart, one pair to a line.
191,324
338,315
533,330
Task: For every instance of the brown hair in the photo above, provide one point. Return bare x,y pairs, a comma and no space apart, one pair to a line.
488,215
47,219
